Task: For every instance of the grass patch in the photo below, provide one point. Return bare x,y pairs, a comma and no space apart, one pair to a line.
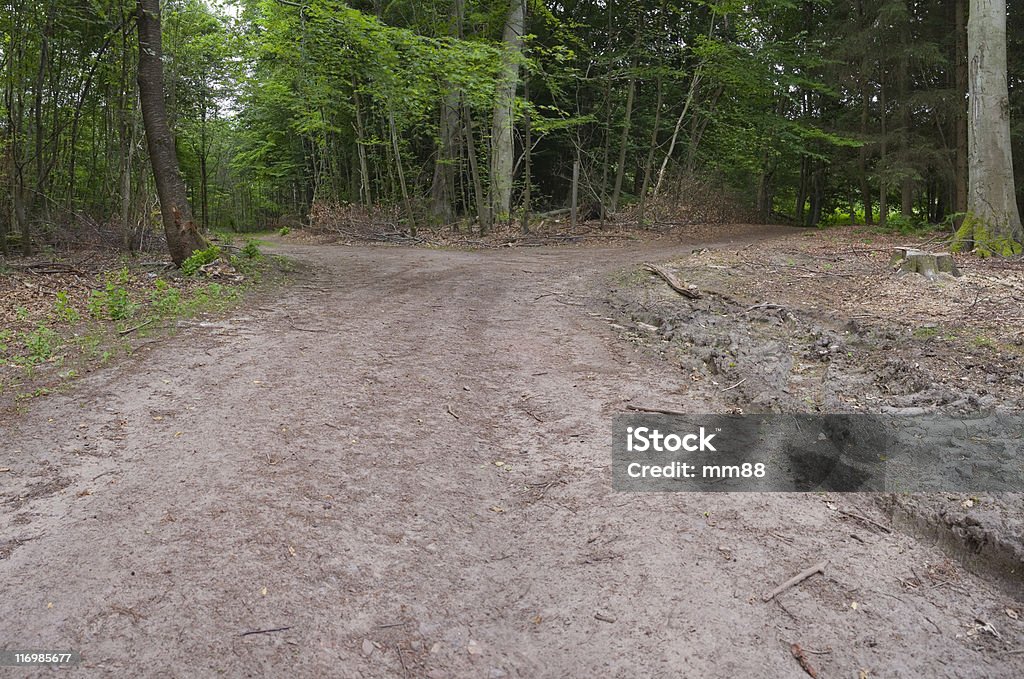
89,323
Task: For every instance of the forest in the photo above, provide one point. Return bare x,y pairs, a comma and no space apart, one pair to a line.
372,338
468,113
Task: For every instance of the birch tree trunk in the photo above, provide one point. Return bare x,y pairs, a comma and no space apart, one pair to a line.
183,238
502,141
993,225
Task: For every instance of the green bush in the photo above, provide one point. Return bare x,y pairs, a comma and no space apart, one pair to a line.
166,299
63,309
252,250
40,344
284,231
200,258
113,302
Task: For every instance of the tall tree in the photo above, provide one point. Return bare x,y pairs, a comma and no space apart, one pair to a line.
502,141
993,223
183,237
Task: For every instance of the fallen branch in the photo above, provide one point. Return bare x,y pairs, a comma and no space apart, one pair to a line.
658,411
672,281
452,412
796,580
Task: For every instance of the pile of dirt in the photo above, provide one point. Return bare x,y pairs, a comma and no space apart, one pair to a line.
820,322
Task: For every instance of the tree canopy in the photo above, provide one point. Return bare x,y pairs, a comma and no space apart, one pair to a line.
806,111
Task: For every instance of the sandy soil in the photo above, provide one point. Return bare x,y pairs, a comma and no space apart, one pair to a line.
402,465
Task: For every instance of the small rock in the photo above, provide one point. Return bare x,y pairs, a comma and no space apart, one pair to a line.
367,648
473,648
497,673
437,674
416,644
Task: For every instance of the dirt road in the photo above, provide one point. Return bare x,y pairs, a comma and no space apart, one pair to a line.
402,466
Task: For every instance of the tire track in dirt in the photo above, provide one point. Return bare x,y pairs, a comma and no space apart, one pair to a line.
328,463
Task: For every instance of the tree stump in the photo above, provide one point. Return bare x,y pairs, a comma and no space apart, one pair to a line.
927,264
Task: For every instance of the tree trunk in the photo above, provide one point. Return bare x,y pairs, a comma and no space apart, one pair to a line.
128,132
20,212
817,192
993,225
960,92
801,192
204,178
694,84
502,141
883,191
527,159
906,120
42,170
483,207
183,238
865,185
442,190
620,167
765,195
365,193
574,210
649,162
399,168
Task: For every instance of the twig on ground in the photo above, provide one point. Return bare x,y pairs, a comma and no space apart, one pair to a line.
405,670
796,580
301,329
140,326
452,412
658,411
865,519
264,631
766,305
801,658
735,385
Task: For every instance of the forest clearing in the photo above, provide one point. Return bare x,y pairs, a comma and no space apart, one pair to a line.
512,338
